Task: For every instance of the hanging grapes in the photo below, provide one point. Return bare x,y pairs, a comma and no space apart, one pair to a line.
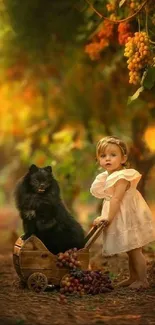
131,24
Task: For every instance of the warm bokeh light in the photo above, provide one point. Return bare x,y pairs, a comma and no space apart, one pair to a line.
149,137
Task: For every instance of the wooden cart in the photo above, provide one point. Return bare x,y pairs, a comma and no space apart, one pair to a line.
37,266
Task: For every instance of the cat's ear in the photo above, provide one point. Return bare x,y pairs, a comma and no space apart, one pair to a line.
33,168
48,169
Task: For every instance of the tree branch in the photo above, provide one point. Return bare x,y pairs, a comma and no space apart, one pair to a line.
119,20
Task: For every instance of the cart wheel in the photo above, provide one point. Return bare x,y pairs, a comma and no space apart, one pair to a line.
37,282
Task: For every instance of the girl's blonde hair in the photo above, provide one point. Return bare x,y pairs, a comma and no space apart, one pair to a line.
103,143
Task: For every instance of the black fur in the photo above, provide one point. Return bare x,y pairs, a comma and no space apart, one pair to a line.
43,213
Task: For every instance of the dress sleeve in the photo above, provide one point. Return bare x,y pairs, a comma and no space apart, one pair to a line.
98,186
131,175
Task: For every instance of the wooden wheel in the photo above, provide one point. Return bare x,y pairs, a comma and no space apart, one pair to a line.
37,282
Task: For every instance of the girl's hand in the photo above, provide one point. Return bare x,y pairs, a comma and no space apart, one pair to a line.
100,220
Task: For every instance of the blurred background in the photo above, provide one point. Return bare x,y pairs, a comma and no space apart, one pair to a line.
64,84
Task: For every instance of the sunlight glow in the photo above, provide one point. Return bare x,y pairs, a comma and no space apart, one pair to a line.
149,137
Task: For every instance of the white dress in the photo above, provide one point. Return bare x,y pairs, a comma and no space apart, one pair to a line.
133,226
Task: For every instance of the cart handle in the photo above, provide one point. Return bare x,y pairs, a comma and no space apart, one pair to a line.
93,235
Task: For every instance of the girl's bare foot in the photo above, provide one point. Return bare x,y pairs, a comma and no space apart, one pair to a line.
125,283
139,284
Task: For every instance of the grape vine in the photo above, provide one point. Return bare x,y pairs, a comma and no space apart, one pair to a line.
139,48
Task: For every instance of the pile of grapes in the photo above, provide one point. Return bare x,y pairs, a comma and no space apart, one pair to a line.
86,282
139,54
68,259
78,281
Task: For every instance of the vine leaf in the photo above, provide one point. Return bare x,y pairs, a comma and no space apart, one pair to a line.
121,3
149,78
135,95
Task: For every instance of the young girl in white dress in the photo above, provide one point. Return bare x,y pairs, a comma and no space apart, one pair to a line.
128,222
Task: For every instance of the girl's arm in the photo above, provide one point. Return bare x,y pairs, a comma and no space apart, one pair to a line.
119,191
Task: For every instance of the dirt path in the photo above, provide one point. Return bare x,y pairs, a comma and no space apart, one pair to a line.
19,306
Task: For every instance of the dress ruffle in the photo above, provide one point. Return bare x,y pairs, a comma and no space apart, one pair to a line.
104,181
97,187
131,175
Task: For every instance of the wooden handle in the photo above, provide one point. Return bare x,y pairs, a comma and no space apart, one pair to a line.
90,233
95,235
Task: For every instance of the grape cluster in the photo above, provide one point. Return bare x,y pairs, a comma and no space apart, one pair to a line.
106,31
138,51
95,48
111,7
100,41
124,31
68,259
86,282
134,5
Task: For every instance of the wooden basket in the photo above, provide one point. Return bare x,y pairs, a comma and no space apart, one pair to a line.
36,265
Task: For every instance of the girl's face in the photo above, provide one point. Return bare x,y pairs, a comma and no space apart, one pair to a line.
111,159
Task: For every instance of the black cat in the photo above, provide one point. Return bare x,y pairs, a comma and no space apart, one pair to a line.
43,213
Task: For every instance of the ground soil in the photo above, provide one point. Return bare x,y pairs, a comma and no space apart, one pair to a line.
20,306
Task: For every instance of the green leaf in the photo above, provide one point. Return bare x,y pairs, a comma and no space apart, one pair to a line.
136,95
121,3
112,275
149,79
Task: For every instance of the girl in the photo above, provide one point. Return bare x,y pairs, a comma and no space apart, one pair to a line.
127,218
